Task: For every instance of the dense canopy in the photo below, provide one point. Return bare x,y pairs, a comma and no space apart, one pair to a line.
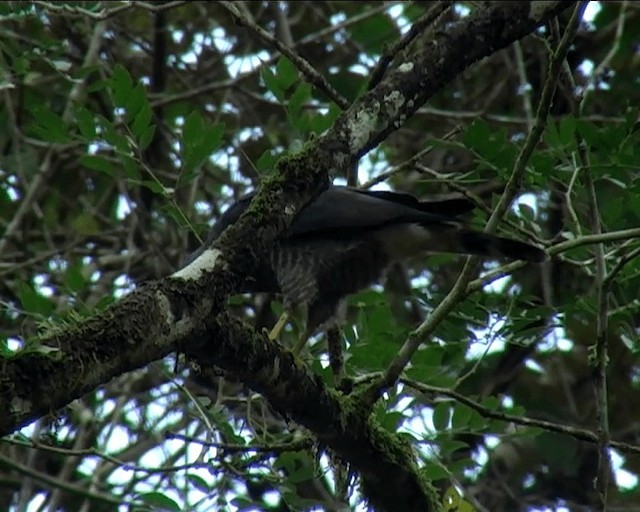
455,384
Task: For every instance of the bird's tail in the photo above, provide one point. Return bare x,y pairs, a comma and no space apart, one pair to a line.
481,244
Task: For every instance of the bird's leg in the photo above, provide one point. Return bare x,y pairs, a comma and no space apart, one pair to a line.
277,329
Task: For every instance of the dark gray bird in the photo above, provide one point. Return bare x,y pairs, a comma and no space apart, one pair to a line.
345,240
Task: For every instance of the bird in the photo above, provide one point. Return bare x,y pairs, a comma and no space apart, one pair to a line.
345,240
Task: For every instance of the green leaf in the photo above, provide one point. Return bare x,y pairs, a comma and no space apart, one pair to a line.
453,502
449,446
429,356
589,132
86,123
434,471
441,416
32,301
48,125
146,137
243,503
176,214
461,416
559,450
271,83
212,138
198,482
130,167
267,161
193,126
286,73
373,32
491,402
152,185
297,465
98,85
85,224
136,100
301,95
199,141
389,420
159,501
121,85
348,83
560,135
477,422
117,140
318,123
566,131
478,137
73,279
97,163
104,302
141,120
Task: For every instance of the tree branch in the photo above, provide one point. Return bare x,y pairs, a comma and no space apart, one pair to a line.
459,290
184,310
303,65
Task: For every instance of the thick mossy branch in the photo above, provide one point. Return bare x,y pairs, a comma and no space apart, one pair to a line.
385,462
127,335
160,317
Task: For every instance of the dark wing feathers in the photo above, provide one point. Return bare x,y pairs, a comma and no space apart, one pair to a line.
344,211
499,247
343,208
450,206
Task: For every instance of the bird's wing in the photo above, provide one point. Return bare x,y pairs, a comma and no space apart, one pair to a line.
345,209
406,226
402,225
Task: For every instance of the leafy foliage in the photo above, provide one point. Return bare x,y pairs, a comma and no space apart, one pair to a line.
131,127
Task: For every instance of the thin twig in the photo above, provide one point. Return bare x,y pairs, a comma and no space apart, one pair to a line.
611,236
601,345
451,183
421,25
606,61
302,64
232,82
45,168
292,446
505,119
102,14
550,86
56,483
525,86
575,432
407,164
459,290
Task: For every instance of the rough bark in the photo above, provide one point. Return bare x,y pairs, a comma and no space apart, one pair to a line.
161,317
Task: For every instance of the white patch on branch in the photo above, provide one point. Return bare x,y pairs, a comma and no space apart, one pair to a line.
203,263
361,126
393,102
405,67
164,305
